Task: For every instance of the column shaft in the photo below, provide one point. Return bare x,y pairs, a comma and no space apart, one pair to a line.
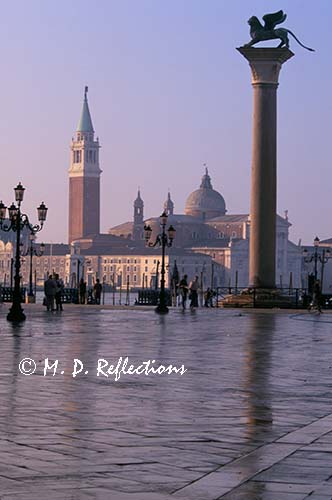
265,64
263,187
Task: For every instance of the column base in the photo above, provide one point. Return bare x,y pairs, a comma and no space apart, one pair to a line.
264,298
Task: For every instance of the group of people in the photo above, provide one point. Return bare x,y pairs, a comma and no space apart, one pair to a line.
53,289
82,289
191,291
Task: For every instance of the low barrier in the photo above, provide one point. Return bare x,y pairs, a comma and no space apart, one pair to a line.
149,297
6,294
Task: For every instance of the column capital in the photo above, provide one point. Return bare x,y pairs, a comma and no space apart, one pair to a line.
265,63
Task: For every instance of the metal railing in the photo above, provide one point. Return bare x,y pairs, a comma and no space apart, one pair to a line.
6,294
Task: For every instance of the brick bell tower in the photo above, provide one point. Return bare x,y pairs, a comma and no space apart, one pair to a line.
84,179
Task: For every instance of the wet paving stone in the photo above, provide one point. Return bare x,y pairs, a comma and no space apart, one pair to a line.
250,419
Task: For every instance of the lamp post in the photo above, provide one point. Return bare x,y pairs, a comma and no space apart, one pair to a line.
163,240
11,272
316,257
120,281
17,222
78,272
31,251
157,275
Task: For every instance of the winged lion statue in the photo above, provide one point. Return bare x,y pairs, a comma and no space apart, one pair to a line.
259,33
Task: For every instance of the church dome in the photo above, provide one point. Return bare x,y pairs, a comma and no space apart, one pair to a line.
205,202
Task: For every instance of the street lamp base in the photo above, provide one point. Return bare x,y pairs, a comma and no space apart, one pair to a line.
161,309
30,299
16,314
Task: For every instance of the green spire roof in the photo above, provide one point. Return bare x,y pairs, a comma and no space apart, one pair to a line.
85,122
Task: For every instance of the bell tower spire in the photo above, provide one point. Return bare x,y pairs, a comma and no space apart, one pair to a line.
84,178
138,218
169,205
85,126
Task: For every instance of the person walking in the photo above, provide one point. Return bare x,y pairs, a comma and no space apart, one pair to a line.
82,291
183,287
50,291
59,292
193,289
97,291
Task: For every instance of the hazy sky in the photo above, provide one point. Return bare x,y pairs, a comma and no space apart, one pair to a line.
167,92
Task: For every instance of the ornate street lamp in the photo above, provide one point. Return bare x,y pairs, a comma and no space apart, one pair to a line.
17,222
317,257
163,240
31,251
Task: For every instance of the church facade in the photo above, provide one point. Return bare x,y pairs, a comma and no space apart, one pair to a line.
206,228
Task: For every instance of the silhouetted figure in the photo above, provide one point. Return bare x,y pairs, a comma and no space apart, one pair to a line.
208,298
58,292
97,291
82,291
317,296
183,287
193,289
50,291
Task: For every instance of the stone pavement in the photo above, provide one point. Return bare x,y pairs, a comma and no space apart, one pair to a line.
251,418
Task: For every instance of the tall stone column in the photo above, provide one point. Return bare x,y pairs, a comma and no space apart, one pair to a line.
265,64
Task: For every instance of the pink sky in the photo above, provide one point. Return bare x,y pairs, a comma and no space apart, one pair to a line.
167,93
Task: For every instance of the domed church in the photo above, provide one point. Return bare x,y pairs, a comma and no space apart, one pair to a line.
205,203
206,228
202,206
